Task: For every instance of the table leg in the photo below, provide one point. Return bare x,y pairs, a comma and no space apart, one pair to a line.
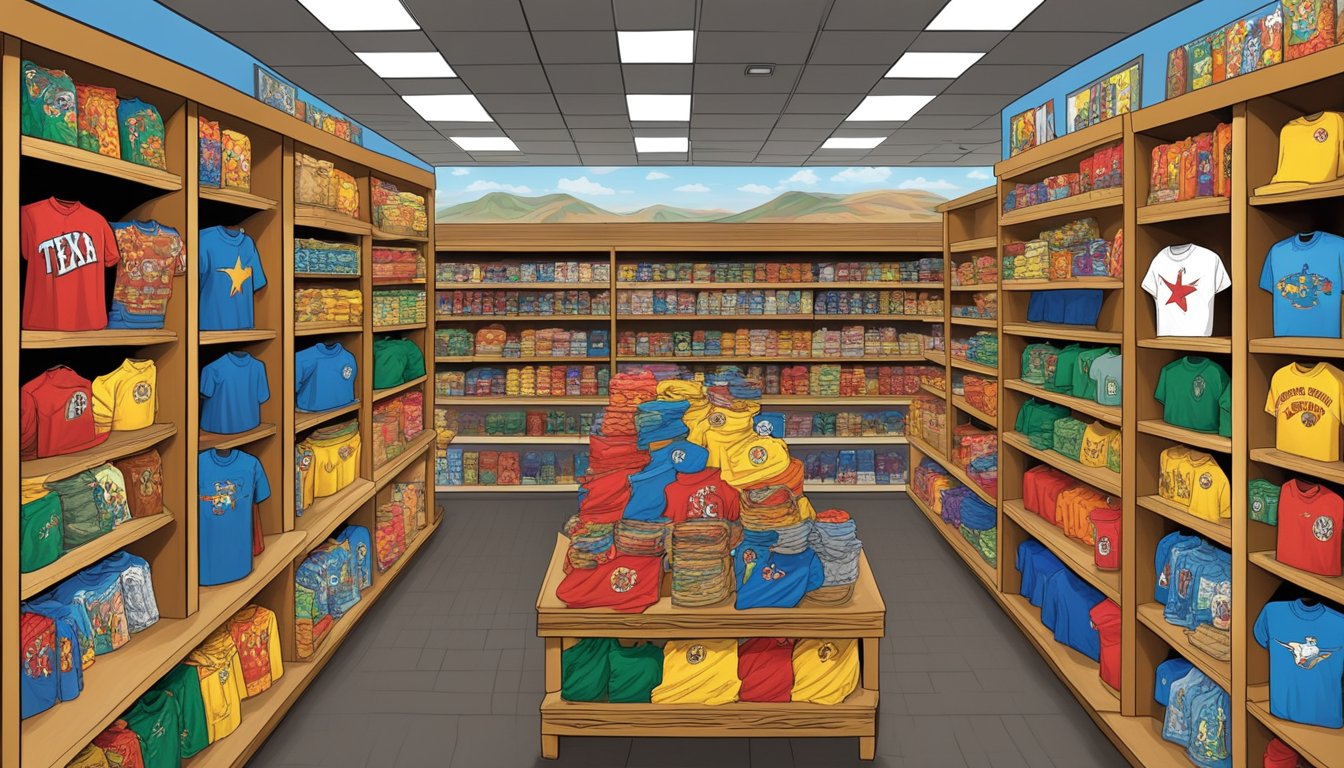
867,747
550,746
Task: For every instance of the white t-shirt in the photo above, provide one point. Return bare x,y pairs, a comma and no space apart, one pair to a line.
1183,280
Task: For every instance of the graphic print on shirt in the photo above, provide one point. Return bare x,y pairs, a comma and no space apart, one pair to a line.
347,372
1308,411
1179,289
71,250
1210,742
704,503
696,654
623,579
238,274
77,405
1307,654
221,501
1197,387
1323,528
36,658
142,392
1304,289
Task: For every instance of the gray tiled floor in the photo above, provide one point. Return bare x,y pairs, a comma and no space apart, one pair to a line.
446,670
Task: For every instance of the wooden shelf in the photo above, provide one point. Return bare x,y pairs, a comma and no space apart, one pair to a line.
1140,738
1071,146
924,387
524,286
1107,413
528,318
976,287
118,679
803,285
326,326
816,400
1188,436
380,235
81,557
978,322
863,616
556,488
1102,283
324,514
959,472
474,359
209,440
1209,345
328,219
1079,557
1324,470
1098,477
890,318
967,365
84,160
1316,744
379,282
307,420
237,337
400,327
936,356
1095,200
525,439
237,197
1220,532
987,573
819,487
1321,191
116,446
325,276
1080,673
845,440
1150,615
866,359
1184,209
520,400
1330,587
974,244
113,337
379,394
928,449
414,450
1298,346
1064,332
721,318
960,403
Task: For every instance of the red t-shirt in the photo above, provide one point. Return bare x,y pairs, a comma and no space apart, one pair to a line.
702,495
765,667
1041,487
1280,755
1106,619
1309,521
56,415
68,248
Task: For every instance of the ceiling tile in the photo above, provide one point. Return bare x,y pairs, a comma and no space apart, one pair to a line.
966,105
752,47
657,78
577,47
957,41
569,14
504,78
540,134
599,158
790,146
404,40
280,49
945,122
592,104
324,81
597,121
749,15
425,134
545,147
723,156
529,120
466,129
464,48
601,134
840,79
247,15
940,158
897,86
730,120
585,78
810,121
428,86
499,104
552,159
800,134
729,134
781,159
883,14
736,146
604,147
826,104
1050,47
467,15
1011,79
732,78
709,103
389,104
654,14
852,47
1066,15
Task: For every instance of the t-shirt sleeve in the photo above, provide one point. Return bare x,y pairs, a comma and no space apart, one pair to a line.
111,253
202,256
260,482
1150,279
303,369
27,425
209,381
1261,628
263,386
1160,392
273,648
1267,273
258,275
1225,412
1271,398
179,268
104,401
1221,280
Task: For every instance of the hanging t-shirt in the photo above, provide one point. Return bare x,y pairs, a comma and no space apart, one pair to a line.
1210,492
1306,661
1306,406
229,485
1189,390
1302,274
1310,517
142,134
68,247
1106,373
1183,280
234,386
1210,729
127,398
183,684
1311,151
56,415
151,254
324,377
230,272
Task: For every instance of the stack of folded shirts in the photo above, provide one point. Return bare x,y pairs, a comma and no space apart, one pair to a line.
659,420
979,526
644,538
952,502
590,544
834,538
701,574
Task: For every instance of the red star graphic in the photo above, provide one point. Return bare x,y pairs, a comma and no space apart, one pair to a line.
1179,292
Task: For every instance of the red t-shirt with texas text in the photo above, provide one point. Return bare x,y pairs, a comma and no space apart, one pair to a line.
67,247
1310,517
702,495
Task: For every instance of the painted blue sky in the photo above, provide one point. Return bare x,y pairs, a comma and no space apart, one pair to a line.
700,187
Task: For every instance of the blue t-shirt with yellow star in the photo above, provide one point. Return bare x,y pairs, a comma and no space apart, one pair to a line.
230,273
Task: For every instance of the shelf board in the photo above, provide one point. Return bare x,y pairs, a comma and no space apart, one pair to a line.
1098,477
473,359
967,365
1220,532
209,440
812,486
1107,413
1324,470
1203,440
847,439
532,318
1305,346
976,287
414,450
961,403
974,244
324,514
1334,188
118,679
1102,283
977,565
380,235
525,286
936,356
401,327
816,400
891,318
926,448
959,472
237,197
325,276
379,394
978,322
461,439
326,218
326,326
723,318
1209,345
866,359
1331,587
864,615
1141,738
1063,331
116,446
932,391
237,337
77,559
74,157
1097,199
1184,209
304,420
386,281
1078,556
556,488
112,337
1150,615
796,285
1080,673
1318,745
520,400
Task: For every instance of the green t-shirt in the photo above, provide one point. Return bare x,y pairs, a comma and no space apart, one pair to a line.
635,672
83,517
1059,377
1107,373
395,362
40,534
183,684
154,721
1034,362
1067,438
1083,384
1189,390
1225,412
47,106
1036,420
1264,501
585,669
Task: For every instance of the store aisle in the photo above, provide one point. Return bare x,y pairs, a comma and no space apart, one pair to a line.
446,669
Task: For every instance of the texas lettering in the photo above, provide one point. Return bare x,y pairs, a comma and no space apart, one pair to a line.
71,251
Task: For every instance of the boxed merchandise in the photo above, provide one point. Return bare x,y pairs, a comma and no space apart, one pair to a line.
398,306
325,258
236,159
398,263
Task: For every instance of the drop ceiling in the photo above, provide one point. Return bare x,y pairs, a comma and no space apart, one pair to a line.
549,74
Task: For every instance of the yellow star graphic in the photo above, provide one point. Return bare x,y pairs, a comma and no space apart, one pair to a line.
238,274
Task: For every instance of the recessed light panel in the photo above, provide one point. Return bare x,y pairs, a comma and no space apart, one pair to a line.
931,64
853,142
889,108
485,143
661,144
659,106
661,47
960,15
360,15
457,107
407,64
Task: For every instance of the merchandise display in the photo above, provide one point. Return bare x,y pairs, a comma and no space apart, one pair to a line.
1194,392
68,247
319,257
151,255
231,483
1301,273
851,341
230,273
1311,151
324,377
233,387
398,307
1198,166
540,304
328,305
326,461
1103,169
397,212
449,273
1183,280
1305,671
1305,402
391,263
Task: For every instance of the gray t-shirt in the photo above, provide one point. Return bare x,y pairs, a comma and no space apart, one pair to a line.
1106,372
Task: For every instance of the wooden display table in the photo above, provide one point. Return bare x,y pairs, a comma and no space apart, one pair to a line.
863,617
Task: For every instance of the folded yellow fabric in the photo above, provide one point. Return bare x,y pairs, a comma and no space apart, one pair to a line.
825,671
699,672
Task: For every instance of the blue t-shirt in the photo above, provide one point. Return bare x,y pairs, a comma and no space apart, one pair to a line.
229,485
1194,572
324,377
230,271
1302,275
1180,701
648,491
1037,564
1162,561
1068,603
1169,672
342,587
1210,744
1074,306
357,536
769,579
1306,661
72,628
234,387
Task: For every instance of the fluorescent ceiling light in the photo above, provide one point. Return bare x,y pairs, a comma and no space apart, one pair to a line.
457,107
407,64
659,106
851,142
485,143
930,64
360,15
661,144
959,15
889,108
663,47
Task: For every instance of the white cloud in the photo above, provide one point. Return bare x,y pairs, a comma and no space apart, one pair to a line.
692,188
481,185
603,170
979,175
869,175
805,176
756,189
656,176
582,186
460,171
935,185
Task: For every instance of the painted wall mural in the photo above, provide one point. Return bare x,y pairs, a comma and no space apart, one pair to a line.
515,194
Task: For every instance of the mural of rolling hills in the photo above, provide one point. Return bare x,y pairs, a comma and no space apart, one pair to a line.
882,205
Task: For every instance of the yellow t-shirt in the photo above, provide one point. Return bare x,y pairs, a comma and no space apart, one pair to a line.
698,672
335,464
222,689
126,398
1305,404
753,460
1311,151
1096,441
91,756
825,671
1210,493
1174,480
725,427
